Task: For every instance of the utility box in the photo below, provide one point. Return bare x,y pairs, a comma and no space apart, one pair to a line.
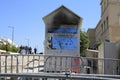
107,66
62,34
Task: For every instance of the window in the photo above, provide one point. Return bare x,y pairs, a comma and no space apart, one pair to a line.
119,20
102,10
102,27
107,22
106,3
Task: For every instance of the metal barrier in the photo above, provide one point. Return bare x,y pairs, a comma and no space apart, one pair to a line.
63,65
57,76
47,63
21,63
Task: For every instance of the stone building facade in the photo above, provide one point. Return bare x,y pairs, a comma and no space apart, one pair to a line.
107,32
108,27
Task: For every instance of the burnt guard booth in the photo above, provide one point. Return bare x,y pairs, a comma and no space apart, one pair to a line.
62,35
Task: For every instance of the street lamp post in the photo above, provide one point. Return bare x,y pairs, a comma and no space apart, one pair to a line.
27,47
12,33
28,40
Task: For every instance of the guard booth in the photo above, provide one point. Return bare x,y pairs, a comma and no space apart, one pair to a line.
62,38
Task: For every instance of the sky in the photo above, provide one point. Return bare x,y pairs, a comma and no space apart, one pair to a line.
26,18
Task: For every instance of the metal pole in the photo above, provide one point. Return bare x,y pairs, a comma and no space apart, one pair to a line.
28,42
12,33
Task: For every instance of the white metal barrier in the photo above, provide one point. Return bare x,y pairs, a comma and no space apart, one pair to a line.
61,64
23,65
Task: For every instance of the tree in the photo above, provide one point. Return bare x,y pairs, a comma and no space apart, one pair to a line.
2,47
13,48
9,47
84,43
98,43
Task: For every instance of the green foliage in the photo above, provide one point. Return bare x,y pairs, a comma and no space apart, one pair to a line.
13,49
2,47
84,43
99,43
9,47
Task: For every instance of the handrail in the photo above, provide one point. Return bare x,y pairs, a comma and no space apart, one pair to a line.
63,76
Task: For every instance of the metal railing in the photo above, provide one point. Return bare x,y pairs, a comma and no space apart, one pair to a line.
57,76
58,64
63,65
21,63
